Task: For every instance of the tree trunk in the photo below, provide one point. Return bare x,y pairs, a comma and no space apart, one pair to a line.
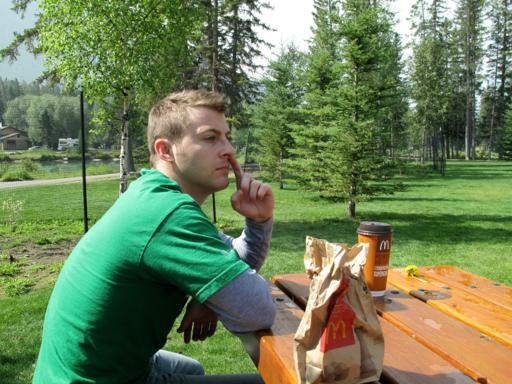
435,152
123,157
351,207
281,181
423,146
215,46
493,108
468,131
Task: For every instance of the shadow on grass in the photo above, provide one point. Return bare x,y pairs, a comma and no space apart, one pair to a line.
441,229
10,366
407,198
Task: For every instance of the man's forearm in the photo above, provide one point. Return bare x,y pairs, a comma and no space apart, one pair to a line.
253,244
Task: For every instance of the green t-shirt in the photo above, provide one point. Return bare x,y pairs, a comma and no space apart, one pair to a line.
125,283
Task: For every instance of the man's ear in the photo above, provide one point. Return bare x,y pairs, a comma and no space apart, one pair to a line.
163,149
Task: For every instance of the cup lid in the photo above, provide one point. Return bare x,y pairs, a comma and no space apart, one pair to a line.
374,228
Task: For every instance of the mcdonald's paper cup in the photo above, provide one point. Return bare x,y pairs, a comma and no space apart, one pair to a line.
378,236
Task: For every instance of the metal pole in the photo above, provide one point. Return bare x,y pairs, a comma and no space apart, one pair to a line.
84,186
214,209
247,148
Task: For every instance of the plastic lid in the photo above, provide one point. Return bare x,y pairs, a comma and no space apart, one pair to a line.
374,228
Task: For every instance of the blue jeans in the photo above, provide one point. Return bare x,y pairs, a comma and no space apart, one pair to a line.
173,368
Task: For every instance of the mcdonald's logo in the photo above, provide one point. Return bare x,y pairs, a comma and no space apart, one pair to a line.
384,245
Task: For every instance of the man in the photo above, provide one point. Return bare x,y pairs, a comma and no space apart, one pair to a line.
130,276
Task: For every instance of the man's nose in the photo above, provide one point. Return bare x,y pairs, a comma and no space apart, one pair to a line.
228,148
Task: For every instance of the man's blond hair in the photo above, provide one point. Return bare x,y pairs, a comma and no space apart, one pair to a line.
169,117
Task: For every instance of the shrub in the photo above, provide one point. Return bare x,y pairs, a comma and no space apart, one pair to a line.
3,169
17,286
49,157
10,269
141,156
16,174
29,166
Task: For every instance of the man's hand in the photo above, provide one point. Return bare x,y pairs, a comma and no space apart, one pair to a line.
199,321
252,199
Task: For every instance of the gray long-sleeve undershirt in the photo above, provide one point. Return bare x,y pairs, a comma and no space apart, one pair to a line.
253,244
244,304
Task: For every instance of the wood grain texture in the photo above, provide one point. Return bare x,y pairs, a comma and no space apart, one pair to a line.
481,358
407,361
490,290
276,361
492,320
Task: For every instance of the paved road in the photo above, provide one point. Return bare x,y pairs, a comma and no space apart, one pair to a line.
30,183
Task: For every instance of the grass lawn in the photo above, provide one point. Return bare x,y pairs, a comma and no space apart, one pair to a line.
463,219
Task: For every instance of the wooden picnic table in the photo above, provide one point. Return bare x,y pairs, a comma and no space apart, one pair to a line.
444,325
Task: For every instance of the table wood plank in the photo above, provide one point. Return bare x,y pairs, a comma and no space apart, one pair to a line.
491,290
479,357
474,310
408,362
405,360
276,361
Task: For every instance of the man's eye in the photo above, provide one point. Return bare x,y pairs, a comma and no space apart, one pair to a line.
210,138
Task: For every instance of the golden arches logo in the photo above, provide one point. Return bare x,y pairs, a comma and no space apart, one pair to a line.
384,245
332,330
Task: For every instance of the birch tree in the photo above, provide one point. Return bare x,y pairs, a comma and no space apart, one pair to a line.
120,51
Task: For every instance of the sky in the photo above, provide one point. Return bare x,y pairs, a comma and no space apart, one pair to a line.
26,68
290,19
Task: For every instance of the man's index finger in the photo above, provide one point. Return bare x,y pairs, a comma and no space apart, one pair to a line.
237,170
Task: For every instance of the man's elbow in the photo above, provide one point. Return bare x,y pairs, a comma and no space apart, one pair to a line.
266,316
259,317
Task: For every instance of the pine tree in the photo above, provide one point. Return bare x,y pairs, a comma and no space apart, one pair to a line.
227,49
428,76
339,148
497,93
277,111
507,136
469,18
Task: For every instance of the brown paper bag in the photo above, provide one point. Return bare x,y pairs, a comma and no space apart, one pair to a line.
339,339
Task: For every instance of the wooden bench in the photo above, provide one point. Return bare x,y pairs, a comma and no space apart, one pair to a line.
423,344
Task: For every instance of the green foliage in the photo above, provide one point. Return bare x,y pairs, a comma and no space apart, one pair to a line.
56,267
12,209
506,143
141,156
227,48
117,47
16,174
10,269
431,78
17,286
278,110
3,169
45,118
29,166
352,92
16,112
497,93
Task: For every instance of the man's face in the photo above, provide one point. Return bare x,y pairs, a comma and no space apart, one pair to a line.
201,157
